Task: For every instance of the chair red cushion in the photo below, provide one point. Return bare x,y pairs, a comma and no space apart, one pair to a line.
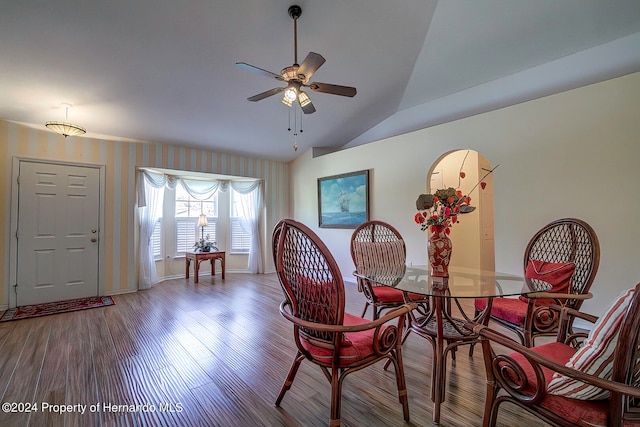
356,345
556,274
387,295
512,310
586,413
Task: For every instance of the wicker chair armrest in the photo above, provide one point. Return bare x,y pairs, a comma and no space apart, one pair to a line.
363,283
323,327
537,360
571,312
553,295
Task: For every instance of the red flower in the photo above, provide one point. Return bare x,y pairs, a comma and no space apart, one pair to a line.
440,210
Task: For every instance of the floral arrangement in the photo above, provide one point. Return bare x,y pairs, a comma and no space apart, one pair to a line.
442,208
205,245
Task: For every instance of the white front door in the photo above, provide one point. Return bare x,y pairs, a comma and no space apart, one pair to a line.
58,217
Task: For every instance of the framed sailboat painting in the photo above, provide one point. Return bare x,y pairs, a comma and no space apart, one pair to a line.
343,200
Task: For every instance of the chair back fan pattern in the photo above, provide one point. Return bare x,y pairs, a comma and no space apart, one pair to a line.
310,278
567,240
563,241
378,247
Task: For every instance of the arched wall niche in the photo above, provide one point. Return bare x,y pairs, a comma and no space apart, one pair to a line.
472,236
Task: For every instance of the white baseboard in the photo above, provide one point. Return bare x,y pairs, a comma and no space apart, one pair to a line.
119,292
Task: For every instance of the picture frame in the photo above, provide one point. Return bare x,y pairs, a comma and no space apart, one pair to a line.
343,200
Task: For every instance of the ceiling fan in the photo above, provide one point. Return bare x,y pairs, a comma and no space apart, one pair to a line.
297,76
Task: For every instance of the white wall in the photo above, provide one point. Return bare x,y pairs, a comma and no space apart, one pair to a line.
573,154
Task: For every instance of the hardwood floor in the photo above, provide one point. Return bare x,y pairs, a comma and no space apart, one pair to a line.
209,354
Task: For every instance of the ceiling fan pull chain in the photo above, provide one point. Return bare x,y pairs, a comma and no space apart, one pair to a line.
295,125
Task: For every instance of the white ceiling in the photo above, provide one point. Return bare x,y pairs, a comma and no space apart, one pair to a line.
164,70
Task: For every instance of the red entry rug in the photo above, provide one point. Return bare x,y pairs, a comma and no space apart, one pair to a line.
38,310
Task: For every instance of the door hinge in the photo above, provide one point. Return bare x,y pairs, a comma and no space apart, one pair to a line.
18,179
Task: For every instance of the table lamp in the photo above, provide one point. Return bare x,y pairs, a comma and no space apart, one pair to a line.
202,222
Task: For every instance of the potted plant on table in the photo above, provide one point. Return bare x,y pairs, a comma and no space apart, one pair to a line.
205,245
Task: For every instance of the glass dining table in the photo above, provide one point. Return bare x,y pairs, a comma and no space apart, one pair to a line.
434,318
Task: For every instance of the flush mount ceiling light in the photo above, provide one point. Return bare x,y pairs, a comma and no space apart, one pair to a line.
64,128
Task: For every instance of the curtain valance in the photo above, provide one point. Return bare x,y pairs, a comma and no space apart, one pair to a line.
196,188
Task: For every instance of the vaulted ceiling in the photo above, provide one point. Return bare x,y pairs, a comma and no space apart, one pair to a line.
164,71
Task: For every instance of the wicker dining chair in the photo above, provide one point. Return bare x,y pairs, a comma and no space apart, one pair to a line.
569,250
336,341
376,245
571,381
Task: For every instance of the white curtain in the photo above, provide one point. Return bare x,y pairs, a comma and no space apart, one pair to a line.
199,190
150,201
251,204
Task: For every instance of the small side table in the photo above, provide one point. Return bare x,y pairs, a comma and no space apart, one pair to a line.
198,257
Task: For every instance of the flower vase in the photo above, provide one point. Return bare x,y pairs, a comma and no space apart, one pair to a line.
439,250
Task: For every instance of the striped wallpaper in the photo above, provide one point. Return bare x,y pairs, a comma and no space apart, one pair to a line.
121,160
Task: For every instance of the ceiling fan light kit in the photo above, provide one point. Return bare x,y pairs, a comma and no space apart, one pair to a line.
297,75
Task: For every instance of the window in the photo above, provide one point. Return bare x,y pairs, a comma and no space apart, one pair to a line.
156,240
188,211
240,239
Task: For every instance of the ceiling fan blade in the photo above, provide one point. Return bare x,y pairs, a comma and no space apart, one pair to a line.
311,63
266,94
308,108
333,89
255,69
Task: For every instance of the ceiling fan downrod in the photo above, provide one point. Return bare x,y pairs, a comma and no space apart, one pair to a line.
295,11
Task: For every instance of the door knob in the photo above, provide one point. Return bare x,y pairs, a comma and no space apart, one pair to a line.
93,230
93,239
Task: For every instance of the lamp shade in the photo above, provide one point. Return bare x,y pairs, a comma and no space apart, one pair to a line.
304,99
202,221
66,129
